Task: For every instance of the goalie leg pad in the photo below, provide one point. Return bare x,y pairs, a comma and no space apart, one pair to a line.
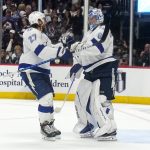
98,112
108,107
82,107
110,135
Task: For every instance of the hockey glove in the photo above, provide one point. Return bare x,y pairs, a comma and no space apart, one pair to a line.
67,41
63,53
75,71
76,47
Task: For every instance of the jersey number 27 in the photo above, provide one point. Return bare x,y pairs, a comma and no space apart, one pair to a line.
32,38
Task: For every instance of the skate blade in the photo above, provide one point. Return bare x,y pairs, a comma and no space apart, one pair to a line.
58,137
109,138
48,138
86,135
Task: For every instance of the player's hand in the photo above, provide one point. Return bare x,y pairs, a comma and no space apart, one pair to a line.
75,71
64,41
74,47
64,53
61,51
67,41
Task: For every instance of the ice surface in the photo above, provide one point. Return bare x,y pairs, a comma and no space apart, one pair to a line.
19,128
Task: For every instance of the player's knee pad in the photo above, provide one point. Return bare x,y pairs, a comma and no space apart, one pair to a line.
46,100
82,104
98,112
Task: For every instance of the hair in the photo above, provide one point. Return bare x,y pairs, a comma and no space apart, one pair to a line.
35,25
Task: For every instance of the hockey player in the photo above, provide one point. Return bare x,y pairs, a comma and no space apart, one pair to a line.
93,102
36,48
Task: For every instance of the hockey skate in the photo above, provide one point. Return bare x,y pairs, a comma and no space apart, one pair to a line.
49,132
107,137
106,133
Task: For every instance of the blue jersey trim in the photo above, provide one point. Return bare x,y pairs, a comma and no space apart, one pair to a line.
39,69
98,44
87,66
38,49
45,109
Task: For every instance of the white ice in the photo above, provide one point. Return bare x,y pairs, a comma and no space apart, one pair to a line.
19,128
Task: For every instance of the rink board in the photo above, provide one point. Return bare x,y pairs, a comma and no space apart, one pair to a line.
135,83
71,97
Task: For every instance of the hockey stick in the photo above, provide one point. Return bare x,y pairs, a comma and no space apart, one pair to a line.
58,109
32,66
29,67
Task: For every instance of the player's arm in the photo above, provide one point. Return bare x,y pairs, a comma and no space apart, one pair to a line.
43,51
96,43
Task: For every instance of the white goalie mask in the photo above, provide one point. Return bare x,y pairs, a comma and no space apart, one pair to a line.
35,16
96,17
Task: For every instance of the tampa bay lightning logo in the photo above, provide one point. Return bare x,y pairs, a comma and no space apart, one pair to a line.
100,35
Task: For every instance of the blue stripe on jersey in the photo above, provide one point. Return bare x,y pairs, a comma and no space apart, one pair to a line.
88,106
87,66
38,49
98,45
39,69
45,109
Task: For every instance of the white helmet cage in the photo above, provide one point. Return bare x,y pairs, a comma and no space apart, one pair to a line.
35,16
97,13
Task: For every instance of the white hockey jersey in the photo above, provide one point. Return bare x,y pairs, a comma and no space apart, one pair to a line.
96,48
36,48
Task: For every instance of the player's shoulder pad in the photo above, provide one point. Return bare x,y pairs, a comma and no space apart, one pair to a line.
100,31
30,31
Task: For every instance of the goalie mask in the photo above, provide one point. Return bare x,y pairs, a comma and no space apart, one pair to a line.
35,16
95,18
